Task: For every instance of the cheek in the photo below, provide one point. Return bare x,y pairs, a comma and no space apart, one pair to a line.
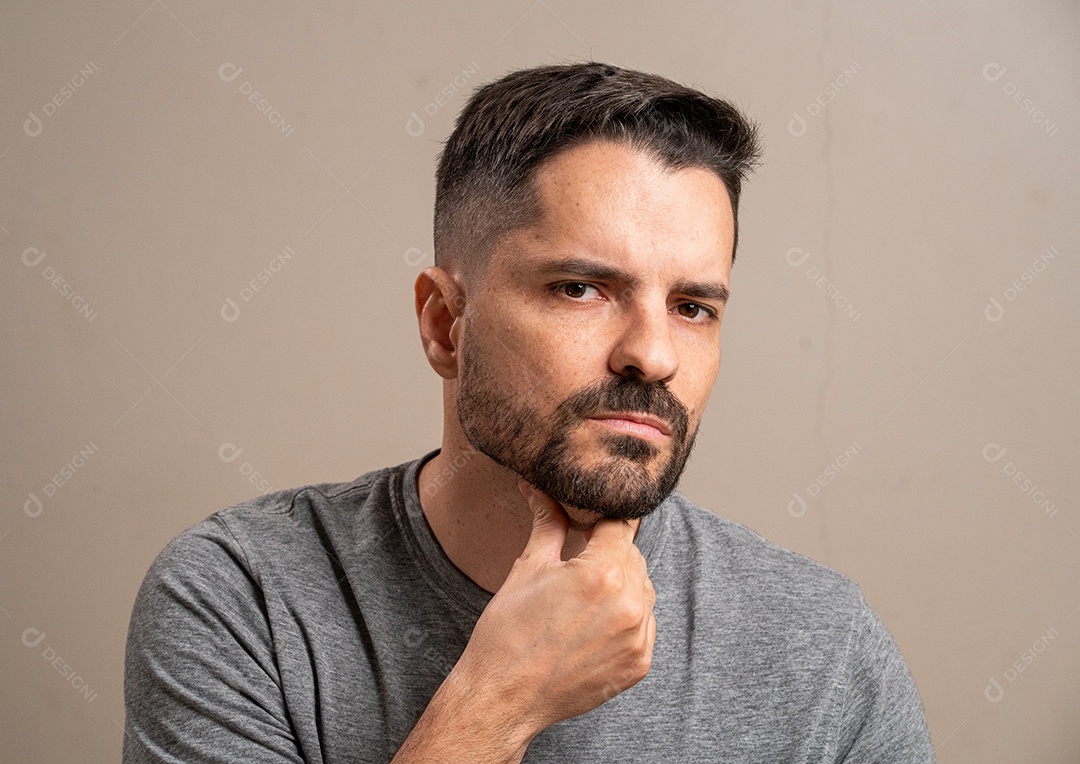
696,411
554,348
699,377
532,363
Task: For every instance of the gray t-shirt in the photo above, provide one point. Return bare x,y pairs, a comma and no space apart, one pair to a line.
314,625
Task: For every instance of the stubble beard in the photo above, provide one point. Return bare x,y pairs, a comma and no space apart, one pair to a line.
625,482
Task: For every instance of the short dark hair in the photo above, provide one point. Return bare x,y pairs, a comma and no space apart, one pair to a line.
485,183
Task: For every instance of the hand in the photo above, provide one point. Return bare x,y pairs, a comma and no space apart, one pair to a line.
559,638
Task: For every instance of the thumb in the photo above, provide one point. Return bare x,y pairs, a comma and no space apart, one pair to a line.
549,528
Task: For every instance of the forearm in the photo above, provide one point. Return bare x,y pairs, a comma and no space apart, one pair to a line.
463,723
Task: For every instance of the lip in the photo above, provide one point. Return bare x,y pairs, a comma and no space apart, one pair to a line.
636,418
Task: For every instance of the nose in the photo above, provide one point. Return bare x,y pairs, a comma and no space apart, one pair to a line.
645,346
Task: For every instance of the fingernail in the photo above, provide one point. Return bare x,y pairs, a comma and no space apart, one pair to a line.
526,490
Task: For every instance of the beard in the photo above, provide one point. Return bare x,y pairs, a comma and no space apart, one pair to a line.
630,479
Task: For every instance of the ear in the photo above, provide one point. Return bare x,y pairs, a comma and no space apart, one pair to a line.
440,303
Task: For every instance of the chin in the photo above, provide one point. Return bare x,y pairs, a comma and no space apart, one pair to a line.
586,518
582,520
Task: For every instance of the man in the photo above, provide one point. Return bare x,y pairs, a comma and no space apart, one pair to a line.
534,590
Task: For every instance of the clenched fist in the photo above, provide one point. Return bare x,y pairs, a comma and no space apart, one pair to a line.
559,638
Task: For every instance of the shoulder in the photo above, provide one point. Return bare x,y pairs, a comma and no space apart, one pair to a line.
815,618
220,619
744,589
228,576
243,540
744,558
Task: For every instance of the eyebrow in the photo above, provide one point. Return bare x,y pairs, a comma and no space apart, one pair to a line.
701,290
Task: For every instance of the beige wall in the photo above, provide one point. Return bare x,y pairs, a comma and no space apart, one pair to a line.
916,189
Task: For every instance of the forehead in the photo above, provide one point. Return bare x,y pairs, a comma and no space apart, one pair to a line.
613,202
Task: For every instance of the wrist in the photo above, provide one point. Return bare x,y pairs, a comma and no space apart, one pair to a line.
467,721
489,708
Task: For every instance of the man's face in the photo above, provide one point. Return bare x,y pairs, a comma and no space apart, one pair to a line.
591,343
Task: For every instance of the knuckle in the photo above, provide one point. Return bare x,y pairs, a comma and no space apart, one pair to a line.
625,620
642,665
608,579
634,612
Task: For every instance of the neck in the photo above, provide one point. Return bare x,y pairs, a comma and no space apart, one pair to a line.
479,516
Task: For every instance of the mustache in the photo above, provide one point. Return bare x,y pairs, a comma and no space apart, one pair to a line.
626,394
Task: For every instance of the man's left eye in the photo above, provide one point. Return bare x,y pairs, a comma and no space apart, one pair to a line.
693,310
576,290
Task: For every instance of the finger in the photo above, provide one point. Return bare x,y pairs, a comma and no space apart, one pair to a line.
550,525
610,535
646,644
650,638
650,593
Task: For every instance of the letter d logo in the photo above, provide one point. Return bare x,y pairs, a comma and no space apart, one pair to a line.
229,452
994,311
30,640
230,311
994,691
796,125
32,126
33,506
993,72
414,256
32,252
415,125
796,507
229,71
992,452
796,257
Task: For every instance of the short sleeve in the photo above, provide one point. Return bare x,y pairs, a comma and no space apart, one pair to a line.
883,720
201,682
